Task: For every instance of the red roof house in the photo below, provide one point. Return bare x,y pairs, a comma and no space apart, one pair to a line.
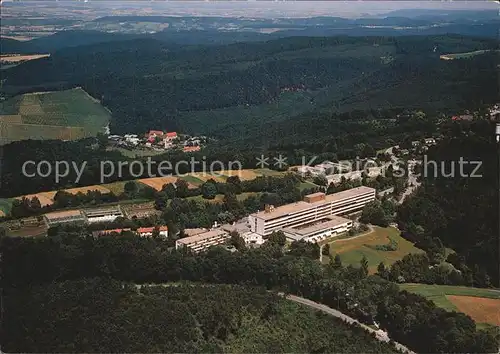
148,231
191,148
171,136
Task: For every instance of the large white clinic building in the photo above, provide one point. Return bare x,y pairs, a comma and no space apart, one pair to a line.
314,208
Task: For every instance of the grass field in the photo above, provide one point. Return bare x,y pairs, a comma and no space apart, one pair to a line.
307,185
481,304
66,115
352,250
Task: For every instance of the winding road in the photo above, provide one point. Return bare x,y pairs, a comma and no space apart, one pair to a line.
380,335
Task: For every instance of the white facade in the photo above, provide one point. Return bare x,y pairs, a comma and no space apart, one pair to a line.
148,231
103,215
251,238
203,241
331,227
301,213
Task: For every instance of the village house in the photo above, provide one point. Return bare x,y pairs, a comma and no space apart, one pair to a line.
191,148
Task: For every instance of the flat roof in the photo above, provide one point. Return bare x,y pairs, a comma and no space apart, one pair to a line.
202,236
331,221
112,209
193,232
63,214
298,206
313,195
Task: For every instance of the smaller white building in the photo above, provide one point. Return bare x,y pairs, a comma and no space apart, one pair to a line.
320,230
430,141
204,240
103,214
251,238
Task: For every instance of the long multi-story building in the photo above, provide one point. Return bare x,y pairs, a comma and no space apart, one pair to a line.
203,240
313,208
64,217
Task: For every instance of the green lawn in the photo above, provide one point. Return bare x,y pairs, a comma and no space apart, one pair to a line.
307,185
5,205
352,250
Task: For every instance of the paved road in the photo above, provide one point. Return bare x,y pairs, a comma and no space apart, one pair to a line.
412,182
380,335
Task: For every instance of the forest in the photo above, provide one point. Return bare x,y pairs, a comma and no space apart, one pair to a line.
72,254
160,87
116,317
322,136
459,211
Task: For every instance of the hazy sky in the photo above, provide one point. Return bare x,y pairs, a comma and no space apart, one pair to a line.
252,8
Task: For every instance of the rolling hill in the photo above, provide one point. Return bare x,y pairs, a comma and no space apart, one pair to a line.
66,115
157,86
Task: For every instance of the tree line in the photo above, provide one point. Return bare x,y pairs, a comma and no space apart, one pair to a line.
112,316
409,319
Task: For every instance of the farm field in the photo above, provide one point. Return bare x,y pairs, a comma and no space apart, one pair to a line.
45,198
480,304
16,58
65,115
84,190
462,55
194,180
352,250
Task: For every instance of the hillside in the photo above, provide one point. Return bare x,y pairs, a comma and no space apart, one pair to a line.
100,315
156,85
66,115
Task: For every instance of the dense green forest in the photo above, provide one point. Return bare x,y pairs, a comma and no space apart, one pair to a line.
321,136
102,315
460,212
70,254
156,86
